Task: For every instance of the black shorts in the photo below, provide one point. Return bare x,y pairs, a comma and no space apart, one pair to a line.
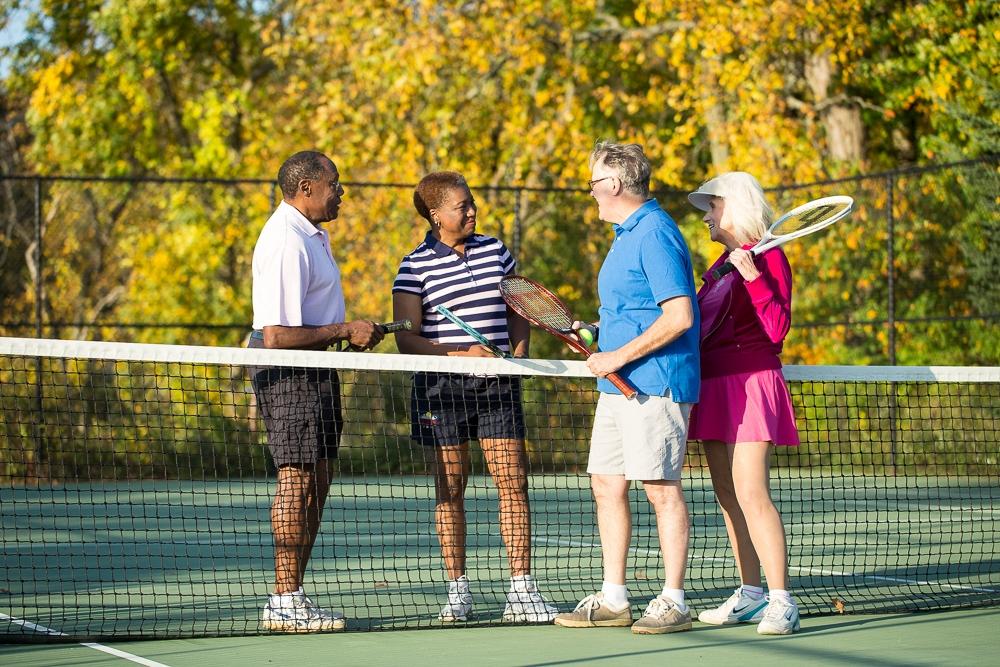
448,409
302,412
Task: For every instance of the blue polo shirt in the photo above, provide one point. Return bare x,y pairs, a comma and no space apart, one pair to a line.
648,264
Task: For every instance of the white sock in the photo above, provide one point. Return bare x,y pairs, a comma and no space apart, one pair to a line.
755,592
615,596
677,595
461,584
780,594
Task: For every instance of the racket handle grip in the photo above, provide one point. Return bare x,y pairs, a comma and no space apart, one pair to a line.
623,385
394,326
723,270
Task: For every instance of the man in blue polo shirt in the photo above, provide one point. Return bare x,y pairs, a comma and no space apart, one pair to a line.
649,331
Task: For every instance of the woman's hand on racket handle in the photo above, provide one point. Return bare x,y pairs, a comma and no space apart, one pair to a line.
743,261
478,351
603,363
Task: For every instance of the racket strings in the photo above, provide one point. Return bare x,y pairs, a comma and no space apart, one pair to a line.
813,218
537,305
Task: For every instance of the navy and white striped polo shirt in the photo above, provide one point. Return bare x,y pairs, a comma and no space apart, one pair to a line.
468,286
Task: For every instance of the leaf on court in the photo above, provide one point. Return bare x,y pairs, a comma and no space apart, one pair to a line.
381,584
838,604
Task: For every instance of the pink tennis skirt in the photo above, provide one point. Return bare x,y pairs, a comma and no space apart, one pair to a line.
747,407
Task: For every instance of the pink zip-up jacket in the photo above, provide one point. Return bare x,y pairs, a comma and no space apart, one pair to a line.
750,320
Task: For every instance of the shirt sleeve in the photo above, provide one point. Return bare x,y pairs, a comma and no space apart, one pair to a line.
407,281
507,261
281,285
771,294
667,267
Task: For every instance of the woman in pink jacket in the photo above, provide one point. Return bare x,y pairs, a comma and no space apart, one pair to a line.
745,408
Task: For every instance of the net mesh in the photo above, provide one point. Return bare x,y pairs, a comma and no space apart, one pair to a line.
135,493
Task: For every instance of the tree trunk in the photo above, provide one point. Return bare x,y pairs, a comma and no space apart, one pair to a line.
841,120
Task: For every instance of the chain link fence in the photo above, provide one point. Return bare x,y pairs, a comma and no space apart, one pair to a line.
906,279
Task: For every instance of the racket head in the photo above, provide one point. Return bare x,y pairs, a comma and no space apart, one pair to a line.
536,304
810,217
544,309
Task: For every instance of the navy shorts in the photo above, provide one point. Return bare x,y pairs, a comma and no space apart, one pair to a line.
449,409
302,412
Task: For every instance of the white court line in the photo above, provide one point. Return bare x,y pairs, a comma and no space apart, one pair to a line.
591,545
97,647
806,570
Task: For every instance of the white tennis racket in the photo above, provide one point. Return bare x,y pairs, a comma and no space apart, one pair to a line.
806,219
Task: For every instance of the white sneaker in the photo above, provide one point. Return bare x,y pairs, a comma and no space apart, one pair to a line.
526,605
739,608
459,604
294,612
780,618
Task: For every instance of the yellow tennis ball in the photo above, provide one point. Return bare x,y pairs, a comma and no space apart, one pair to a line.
586,336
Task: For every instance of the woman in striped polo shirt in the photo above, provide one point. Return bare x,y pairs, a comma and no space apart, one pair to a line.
456,268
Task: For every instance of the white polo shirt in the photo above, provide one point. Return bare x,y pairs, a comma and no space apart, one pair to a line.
296,281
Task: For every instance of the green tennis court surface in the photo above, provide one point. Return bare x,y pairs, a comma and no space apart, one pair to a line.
963,637
129,559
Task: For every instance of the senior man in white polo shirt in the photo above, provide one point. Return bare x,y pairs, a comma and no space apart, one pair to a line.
298,303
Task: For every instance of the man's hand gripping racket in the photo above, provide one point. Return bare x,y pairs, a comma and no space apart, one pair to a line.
806,219
543,309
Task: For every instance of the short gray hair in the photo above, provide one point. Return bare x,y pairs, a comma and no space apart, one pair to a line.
303,166
629,163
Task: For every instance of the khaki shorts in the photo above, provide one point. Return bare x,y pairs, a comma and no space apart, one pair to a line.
643,439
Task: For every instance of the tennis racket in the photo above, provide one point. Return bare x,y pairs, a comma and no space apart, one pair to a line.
544,309
806,219
467,328
395,325
385,328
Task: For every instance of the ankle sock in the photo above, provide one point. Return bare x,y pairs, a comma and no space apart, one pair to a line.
676,595
615,596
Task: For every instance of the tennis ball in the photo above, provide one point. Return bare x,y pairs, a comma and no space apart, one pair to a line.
586,336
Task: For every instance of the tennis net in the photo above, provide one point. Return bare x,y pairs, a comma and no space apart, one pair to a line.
135,492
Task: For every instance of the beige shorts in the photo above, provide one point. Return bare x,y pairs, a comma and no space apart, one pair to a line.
643,439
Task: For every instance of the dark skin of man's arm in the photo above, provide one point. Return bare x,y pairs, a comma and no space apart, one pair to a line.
360,334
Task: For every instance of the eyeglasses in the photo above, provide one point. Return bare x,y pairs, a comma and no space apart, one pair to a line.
597,180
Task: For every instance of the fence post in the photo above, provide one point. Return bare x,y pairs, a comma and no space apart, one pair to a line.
274,194
516,241
891,266
39,288
37,465
891,284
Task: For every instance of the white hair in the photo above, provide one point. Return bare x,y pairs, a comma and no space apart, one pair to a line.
746,209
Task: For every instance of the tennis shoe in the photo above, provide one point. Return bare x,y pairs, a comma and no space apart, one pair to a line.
662,615
739,608
780,618
592,612
295,612
526,605
459,604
